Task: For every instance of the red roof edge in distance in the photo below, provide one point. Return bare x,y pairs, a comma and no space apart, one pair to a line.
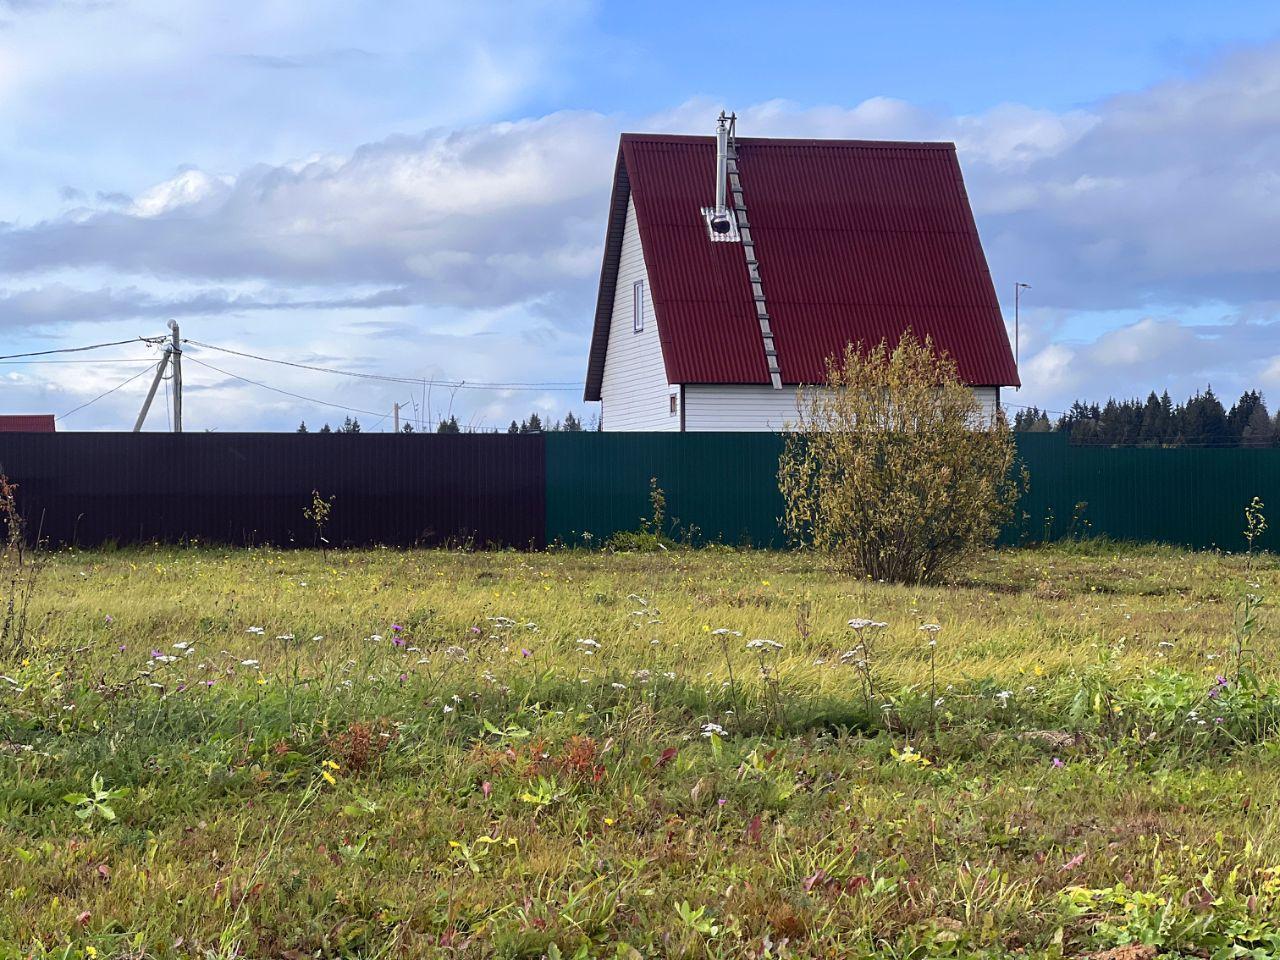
857,241
26,423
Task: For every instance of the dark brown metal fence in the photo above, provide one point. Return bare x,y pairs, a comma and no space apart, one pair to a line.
252,488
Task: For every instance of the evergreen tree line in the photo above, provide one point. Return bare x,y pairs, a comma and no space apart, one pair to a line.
531,424
1157,422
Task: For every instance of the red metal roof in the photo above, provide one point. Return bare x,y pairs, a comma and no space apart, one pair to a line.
856,241
26,423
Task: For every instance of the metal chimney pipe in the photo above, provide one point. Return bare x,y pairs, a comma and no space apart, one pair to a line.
722,164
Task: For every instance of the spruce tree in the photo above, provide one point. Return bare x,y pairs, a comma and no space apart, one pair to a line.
1241,413
1260,431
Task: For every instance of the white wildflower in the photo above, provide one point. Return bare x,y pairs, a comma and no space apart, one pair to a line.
859,624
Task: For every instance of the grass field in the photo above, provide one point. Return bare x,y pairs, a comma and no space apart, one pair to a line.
208,753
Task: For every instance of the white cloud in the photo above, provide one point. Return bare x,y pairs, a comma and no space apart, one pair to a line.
1270,376
186,189
490,215
1155,354
1051,369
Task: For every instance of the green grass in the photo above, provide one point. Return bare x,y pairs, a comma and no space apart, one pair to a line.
1038,784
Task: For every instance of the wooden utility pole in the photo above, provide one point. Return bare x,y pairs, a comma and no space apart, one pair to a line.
176,352
151,394
172,355
395,412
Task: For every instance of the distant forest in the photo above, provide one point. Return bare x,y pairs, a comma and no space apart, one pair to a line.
531,424
1201,421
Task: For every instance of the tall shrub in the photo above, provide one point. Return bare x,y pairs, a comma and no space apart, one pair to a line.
20,566
894,469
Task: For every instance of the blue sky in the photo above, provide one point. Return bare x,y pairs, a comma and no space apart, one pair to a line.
419,189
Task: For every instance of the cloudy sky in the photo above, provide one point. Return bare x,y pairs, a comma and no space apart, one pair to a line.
419,189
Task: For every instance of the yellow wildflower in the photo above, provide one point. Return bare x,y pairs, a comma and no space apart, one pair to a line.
909,755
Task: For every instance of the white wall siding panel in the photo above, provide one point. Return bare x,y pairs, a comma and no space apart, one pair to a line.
727,406
634,392
755,407
989,399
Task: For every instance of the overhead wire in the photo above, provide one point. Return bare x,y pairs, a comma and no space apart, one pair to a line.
108,360
91,346
557,385
123,383
287,393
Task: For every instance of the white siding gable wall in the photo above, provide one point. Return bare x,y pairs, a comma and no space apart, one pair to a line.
634,392
761,408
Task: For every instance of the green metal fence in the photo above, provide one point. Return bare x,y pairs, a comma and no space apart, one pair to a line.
1189,496
723,487
718,486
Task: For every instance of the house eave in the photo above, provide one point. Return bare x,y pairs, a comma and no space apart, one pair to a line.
614,233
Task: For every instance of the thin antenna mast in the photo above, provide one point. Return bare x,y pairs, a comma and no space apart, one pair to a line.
1017,309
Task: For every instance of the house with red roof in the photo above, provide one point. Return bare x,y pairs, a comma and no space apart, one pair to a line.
734,267
26,423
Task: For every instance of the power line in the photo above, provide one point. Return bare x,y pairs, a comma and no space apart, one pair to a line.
296,396
27,363
123,383
556,385
1023,406
91,346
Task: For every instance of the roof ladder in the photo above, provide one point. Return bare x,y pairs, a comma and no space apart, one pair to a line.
753,266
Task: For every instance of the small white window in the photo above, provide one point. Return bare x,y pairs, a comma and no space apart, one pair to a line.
675,405
637,305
